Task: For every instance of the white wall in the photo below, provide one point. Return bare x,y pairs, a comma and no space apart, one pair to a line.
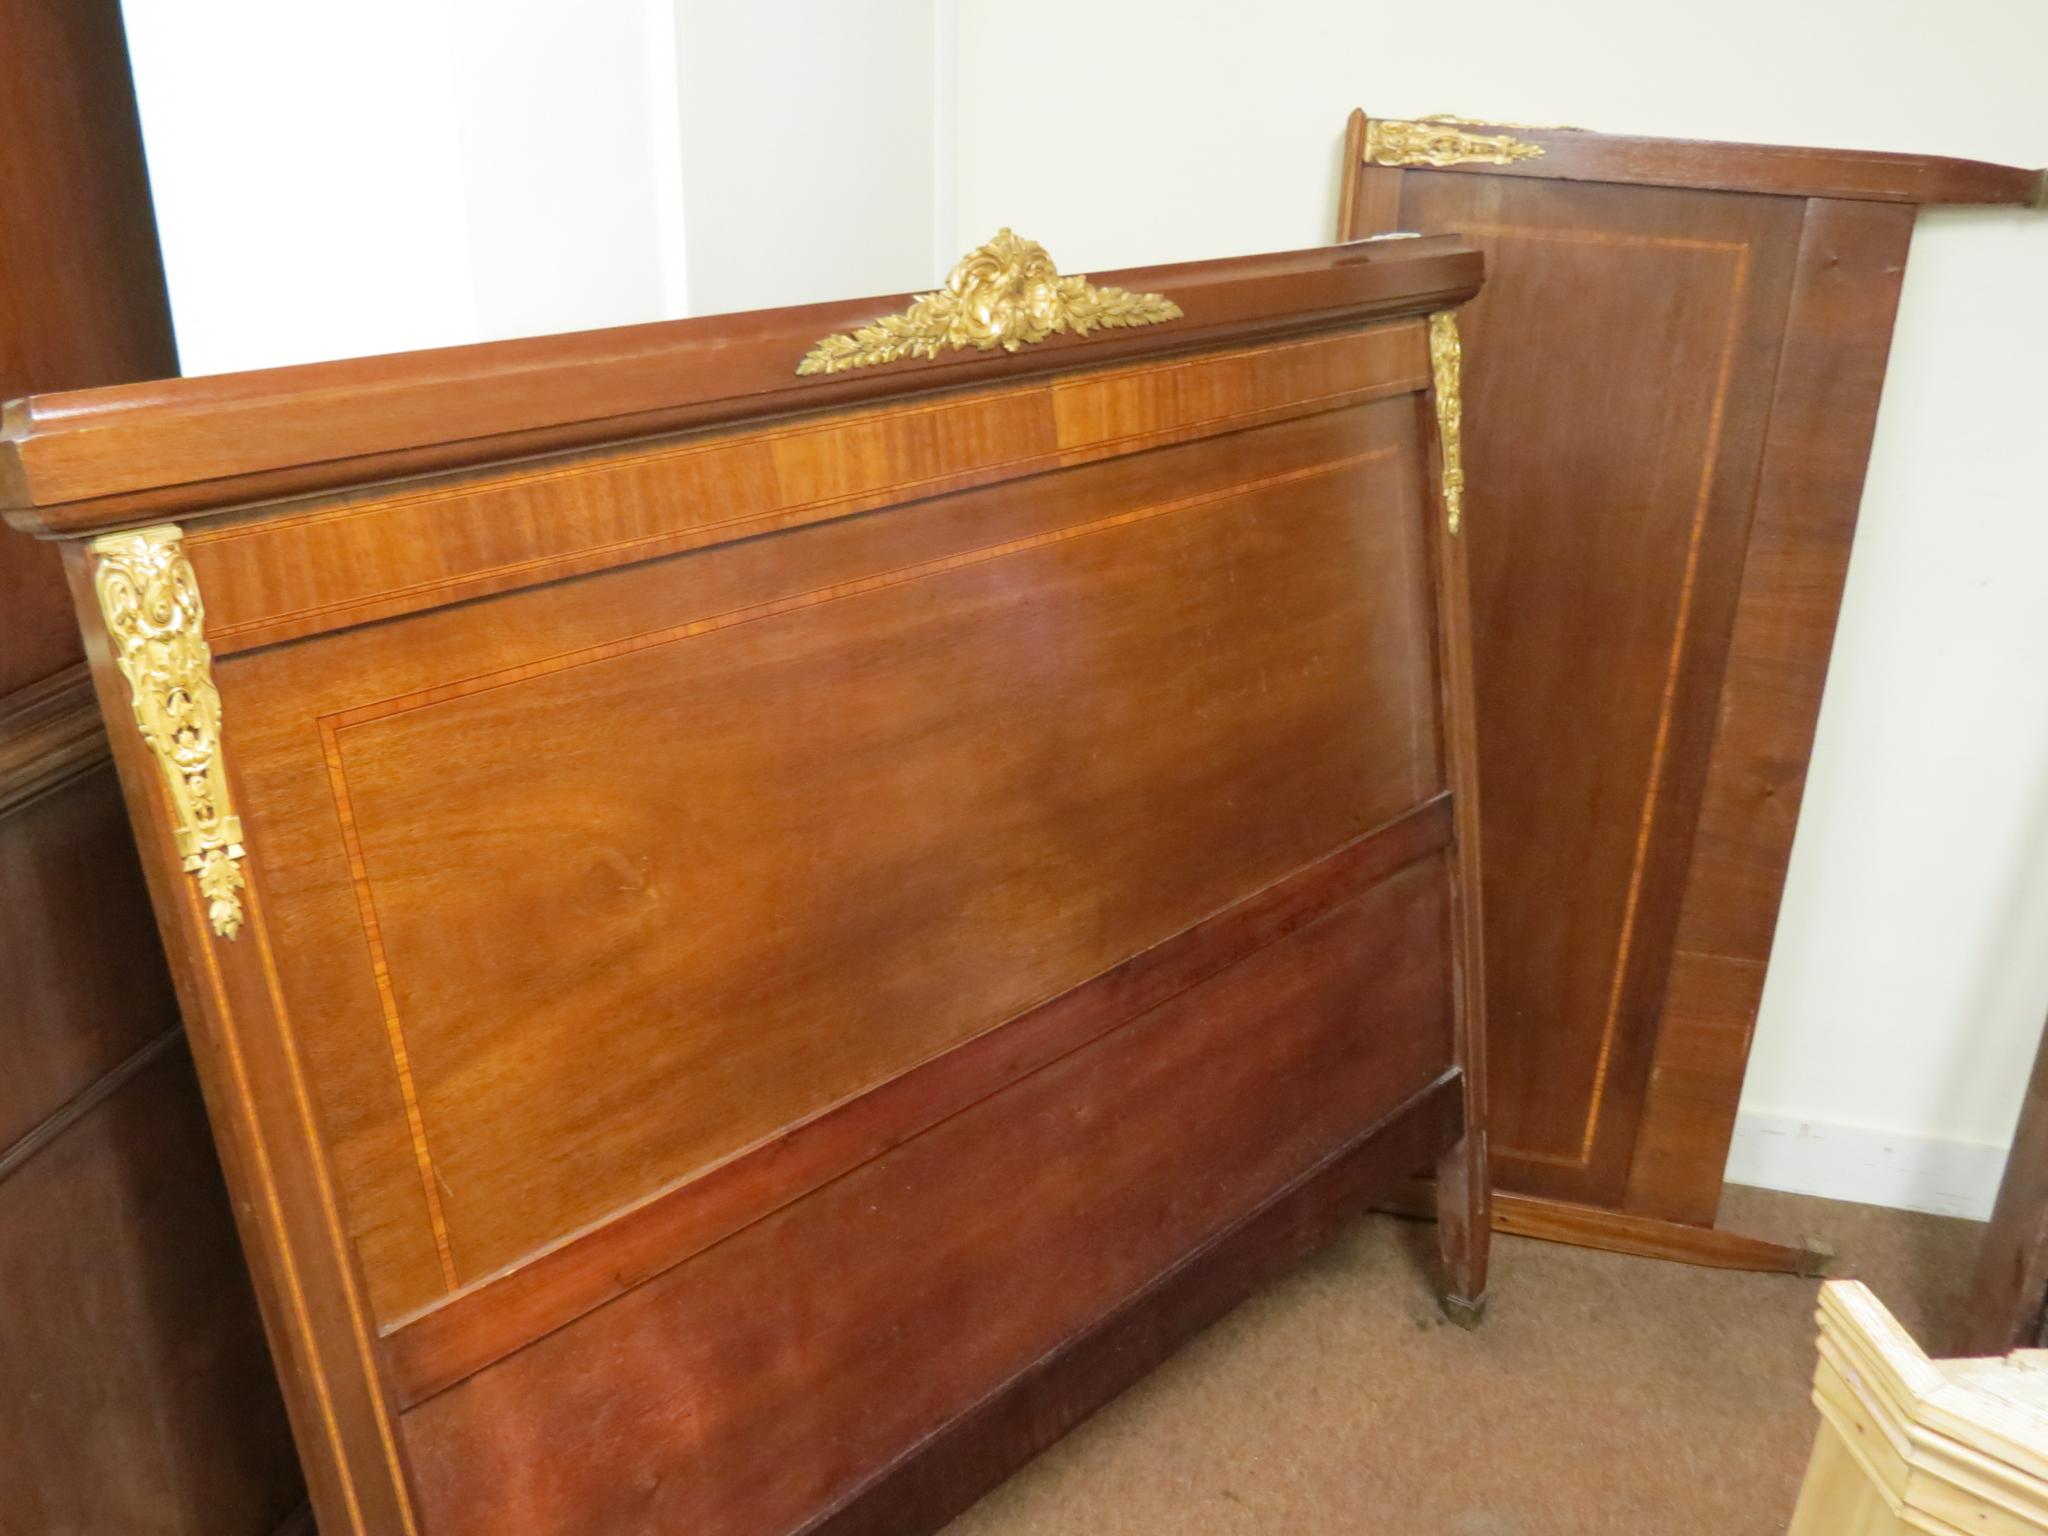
339,178
808,149
305,165
1910,977
1911,973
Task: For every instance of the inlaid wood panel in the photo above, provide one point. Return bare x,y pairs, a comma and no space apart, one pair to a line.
316,569
782,962
700,1360
1609,523
673,891
814,783
1661,528
1824,412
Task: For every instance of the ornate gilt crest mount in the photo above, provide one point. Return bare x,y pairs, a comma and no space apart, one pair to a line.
150,600
1005,294
1440,141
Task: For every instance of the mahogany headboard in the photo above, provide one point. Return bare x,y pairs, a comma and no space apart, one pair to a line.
759,943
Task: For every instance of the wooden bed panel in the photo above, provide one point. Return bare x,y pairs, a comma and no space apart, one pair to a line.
957,1261
1604,581
285,697
979,701
851,985
1675,375
454,1339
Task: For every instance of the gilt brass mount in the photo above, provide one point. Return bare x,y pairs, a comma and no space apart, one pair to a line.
150,601
1005,294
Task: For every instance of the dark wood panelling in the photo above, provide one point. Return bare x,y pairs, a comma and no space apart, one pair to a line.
1823,415
733,1020
135,1392
82,299
983,1206
71,887
970,1454
1673,378
860,698
1611,486
484,1323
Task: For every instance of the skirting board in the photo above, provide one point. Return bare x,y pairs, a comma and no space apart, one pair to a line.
1872,1167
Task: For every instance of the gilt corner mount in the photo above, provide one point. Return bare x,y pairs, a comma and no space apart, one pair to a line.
149,598
1446,355
1441,141
1005,294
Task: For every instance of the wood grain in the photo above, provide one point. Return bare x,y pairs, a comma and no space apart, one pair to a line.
1823,416
977,1449
135,1390
956,1263
50,734
1671,381
770,947
75,463
1778,170
1648,1237
331,564
1612,482
462,1335
82,300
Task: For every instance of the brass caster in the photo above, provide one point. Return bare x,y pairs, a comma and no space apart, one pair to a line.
1466,1314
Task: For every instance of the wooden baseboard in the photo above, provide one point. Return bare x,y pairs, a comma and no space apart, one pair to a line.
1586,1226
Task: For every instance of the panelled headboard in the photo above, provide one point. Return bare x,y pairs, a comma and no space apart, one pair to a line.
771,907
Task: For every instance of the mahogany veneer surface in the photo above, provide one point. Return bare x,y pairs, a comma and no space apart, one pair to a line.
1675,373
783,963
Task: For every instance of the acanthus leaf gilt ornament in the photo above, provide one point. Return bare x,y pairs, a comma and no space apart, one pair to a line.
155,627
1005,294
1440,141
1446,356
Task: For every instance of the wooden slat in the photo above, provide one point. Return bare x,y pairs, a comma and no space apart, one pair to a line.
1588,1226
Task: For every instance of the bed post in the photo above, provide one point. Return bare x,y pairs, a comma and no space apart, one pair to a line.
1464,1192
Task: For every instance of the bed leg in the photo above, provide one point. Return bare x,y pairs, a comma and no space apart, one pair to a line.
1464,1228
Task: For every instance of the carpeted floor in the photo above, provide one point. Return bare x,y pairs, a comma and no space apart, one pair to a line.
1602,1394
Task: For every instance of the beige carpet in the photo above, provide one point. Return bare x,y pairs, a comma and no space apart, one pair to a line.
1602,1394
